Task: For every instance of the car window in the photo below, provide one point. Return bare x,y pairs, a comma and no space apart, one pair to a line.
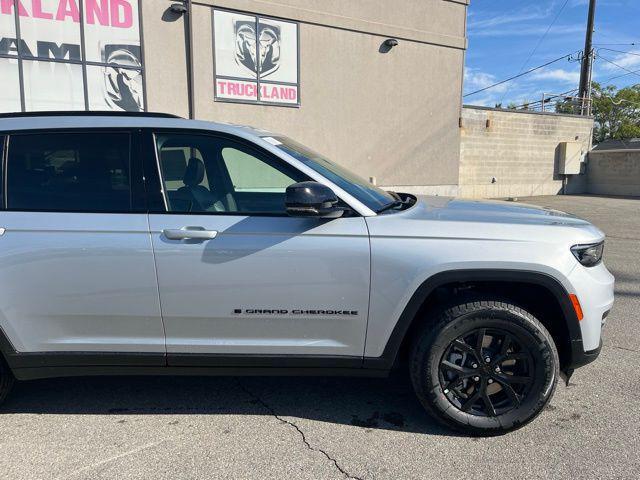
250,174
373,197
217,175
69,172
2,153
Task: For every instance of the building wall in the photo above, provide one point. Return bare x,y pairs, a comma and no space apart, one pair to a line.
520,150
393,116
614,172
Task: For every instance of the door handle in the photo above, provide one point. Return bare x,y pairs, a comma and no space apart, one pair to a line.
190,233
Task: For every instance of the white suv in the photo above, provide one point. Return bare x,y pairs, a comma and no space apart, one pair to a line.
150,244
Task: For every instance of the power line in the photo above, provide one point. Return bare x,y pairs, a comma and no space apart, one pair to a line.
618,102
619,76
633,44
539,43
557,95
519,75
548,99
620,51
619,66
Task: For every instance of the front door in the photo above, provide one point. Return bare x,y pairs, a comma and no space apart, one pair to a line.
236,275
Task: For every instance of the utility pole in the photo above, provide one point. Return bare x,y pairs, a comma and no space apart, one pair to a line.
587,60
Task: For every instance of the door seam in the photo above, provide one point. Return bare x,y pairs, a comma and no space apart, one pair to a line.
366,329
155,270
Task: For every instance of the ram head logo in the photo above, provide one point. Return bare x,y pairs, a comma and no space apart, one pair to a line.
258,53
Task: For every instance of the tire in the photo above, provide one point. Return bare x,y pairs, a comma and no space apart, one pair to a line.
6,380
458,383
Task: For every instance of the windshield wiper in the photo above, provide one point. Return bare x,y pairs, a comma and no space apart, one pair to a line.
392,205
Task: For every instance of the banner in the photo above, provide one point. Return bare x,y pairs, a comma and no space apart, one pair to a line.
55,62
256,59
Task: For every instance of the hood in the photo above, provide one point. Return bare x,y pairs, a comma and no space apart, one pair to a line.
490,211
442,217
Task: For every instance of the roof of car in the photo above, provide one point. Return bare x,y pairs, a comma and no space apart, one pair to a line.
60,120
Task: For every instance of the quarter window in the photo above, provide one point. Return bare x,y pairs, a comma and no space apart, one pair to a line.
69,172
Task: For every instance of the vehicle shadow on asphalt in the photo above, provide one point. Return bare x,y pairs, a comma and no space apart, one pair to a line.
388,404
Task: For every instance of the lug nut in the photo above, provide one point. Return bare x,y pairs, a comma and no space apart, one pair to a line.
497,370
487,359
490,380
477,379
474,365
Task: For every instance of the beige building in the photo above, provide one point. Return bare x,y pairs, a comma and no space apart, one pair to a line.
389,112
374,85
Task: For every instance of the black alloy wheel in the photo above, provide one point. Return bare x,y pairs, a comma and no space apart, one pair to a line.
484,366
486,372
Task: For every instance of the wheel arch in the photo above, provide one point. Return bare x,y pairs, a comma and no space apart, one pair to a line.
439,290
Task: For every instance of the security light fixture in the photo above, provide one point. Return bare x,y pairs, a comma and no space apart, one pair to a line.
178,8
391,42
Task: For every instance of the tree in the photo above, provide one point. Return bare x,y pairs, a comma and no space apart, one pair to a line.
616,112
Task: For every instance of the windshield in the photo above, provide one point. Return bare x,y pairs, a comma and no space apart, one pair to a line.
373,197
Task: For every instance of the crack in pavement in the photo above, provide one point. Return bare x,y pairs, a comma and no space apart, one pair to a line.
270,409
621,348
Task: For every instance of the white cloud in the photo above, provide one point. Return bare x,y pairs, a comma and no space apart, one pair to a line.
578,3
505,19
523,31
630,60
474,79
558,75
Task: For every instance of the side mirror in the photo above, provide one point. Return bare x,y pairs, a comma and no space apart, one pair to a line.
312,199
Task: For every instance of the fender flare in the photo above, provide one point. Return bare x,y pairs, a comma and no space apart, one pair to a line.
408,316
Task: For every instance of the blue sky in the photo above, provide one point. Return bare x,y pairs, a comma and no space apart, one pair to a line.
504,33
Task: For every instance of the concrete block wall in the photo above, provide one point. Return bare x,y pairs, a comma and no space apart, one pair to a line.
614,172
520,150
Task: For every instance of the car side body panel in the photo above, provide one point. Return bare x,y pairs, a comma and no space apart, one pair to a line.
264,285
78,282
444,235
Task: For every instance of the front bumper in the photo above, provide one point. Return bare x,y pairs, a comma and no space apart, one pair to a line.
580,357
594,288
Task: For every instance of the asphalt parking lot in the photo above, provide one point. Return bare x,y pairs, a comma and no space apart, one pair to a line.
317,428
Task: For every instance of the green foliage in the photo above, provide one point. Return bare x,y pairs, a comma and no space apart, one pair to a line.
616,112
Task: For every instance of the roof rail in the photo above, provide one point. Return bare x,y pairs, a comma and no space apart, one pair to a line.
93,113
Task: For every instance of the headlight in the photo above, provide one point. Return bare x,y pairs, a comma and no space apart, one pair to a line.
588,255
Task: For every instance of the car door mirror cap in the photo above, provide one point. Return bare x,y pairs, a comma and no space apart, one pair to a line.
312,199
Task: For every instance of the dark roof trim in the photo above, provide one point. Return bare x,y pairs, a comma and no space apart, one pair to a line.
88,114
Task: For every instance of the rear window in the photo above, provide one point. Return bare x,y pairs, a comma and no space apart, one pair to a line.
72,172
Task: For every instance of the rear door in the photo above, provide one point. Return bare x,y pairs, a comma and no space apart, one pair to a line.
76,263
238,277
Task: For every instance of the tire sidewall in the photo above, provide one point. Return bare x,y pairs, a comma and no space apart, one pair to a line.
528,332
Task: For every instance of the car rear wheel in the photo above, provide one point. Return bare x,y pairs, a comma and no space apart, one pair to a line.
6,380
485,367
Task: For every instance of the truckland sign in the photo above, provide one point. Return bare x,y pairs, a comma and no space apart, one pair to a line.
70,55
256,59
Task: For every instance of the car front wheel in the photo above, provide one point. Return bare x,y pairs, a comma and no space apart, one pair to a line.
485,367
